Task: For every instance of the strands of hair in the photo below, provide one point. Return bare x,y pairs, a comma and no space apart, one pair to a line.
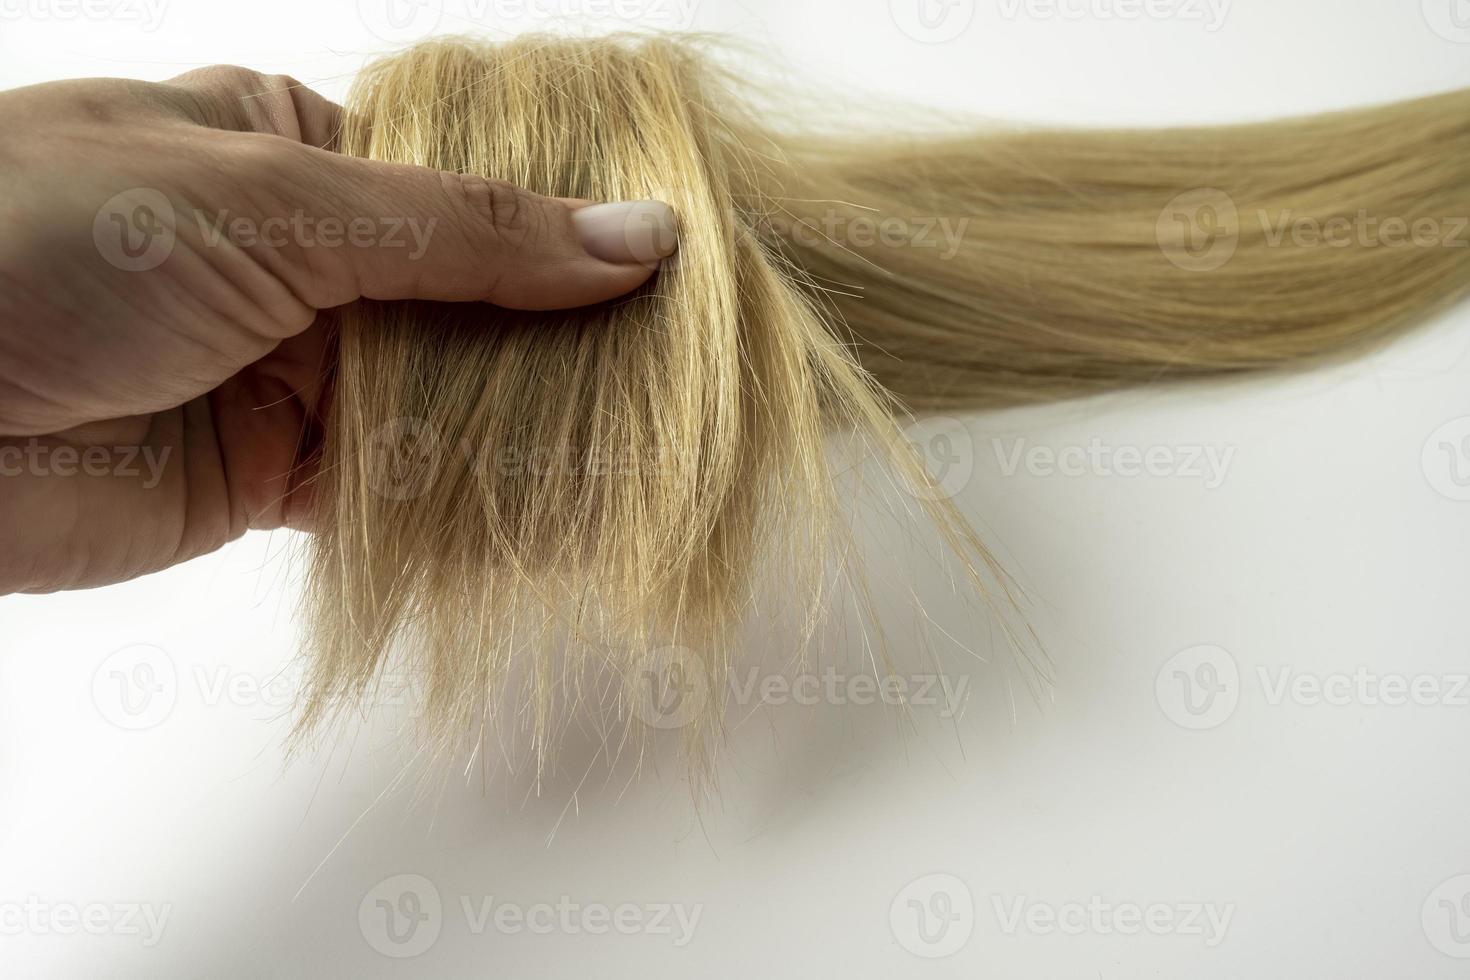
589,487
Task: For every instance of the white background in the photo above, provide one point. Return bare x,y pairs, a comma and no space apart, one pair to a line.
1331,835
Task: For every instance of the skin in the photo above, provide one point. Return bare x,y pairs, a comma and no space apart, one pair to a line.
217,356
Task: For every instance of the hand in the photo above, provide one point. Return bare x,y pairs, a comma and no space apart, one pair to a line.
164,253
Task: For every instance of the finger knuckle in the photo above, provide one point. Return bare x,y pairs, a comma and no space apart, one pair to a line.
507,210
234,78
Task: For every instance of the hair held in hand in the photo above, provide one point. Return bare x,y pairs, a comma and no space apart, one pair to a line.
512,505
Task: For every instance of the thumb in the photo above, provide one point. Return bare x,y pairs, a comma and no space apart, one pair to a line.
432,235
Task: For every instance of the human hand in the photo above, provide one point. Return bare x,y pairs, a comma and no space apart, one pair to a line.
165,252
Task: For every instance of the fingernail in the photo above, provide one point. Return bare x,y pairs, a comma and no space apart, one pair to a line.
628,231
